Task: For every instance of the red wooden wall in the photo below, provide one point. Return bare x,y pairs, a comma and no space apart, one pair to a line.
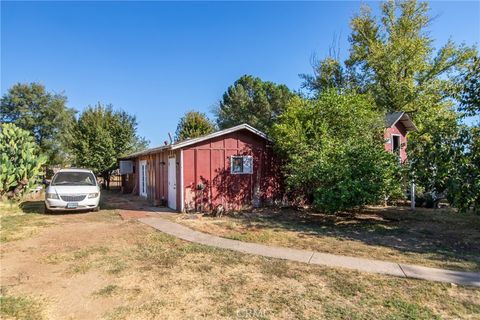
397,129
207,164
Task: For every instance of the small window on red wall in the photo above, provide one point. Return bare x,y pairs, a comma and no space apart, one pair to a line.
241,165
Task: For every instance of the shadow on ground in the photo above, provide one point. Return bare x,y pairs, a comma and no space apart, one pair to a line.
38,207
441,233
33,206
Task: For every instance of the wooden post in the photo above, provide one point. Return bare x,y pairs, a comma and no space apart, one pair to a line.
412,196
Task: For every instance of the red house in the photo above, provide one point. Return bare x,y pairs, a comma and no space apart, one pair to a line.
229,169
397,125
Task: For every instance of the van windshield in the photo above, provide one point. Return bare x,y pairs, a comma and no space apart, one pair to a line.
73,178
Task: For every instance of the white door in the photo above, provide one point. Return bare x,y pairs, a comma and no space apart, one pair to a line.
143,178
172,183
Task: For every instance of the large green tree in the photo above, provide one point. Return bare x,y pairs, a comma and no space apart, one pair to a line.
44,114
192,125
433,156
392,57
400,67
334,151
464,178
102,135
21,162
253,101
396,57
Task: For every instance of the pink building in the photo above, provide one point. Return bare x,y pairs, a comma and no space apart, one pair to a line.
397,125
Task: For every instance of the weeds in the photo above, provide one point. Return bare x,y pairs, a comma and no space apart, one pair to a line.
107,291
17,227
20,307
408,310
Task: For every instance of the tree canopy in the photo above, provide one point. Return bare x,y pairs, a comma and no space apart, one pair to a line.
253,101
192,125
328,73
102,135
395,59
470,93
43,114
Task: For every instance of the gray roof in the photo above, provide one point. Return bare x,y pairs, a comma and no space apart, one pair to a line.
181,144
391,118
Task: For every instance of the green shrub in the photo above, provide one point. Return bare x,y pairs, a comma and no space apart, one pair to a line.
363,174
334,153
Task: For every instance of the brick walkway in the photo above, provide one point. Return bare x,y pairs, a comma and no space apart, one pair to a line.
128,215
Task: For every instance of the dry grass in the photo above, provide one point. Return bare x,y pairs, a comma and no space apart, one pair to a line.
178,280
125,270
432,238
21,220
184,280
20,307
222,283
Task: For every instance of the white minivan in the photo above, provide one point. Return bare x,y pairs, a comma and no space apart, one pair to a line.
72,189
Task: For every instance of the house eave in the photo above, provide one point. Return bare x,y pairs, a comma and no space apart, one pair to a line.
405,120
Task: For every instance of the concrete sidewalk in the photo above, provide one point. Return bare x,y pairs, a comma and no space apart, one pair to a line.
318,258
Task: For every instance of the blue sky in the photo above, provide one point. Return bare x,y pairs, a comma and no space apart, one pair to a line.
158,60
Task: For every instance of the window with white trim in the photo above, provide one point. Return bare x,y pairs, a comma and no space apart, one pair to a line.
241,165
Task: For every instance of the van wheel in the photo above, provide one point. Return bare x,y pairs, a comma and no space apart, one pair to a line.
46,211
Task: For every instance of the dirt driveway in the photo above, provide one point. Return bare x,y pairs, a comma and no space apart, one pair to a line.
52,265
98,266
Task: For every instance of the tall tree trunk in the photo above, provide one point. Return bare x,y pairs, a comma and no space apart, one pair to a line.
106,180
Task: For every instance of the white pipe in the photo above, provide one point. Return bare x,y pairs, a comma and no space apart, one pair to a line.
412,196
181,182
